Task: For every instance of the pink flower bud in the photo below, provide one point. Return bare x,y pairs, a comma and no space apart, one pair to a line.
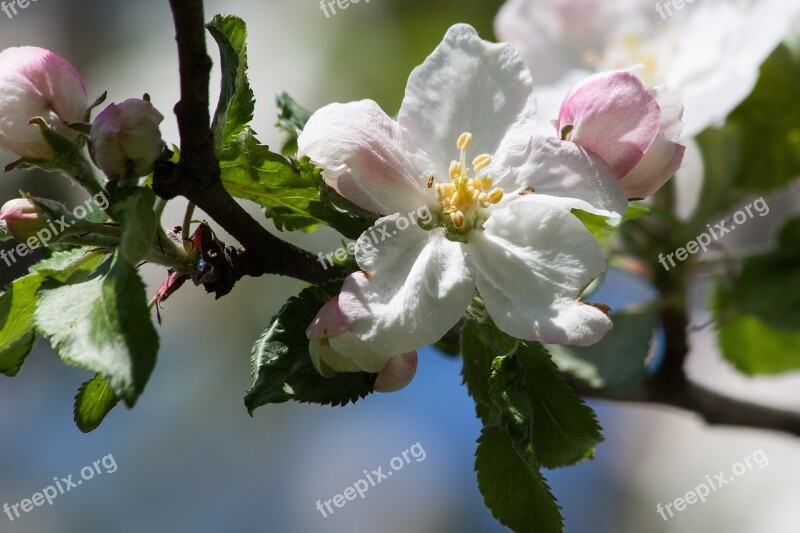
35,82
334,349
633,128
23,218
125,140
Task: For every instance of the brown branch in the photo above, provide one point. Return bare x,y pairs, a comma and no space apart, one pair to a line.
669,386
197,176
714,408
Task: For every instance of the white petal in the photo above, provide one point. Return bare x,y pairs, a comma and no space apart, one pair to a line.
417,286
712,59
577,177
554,35
468,85
357,145
354,351
531,264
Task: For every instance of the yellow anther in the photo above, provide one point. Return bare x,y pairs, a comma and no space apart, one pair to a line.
466,193
464,141
458,219
495,195
481,162
455,169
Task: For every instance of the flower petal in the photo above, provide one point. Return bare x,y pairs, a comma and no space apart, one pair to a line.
573,176
398,372
357,145
416,286
614,116
467,85
532,262
658,165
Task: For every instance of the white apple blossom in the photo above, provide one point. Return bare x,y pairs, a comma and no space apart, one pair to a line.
35,82
501,224
709,52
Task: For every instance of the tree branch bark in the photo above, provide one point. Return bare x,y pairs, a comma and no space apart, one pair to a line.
197,176
714,408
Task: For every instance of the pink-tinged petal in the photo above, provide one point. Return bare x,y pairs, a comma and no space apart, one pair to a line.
398,372
573,176
531,263
328,322
614,116
35,82
658,165
468,85
416,286
358,147
671,112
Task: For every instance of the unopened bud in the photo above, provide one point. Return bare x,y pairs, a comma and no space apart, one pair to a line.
35,82
125,140
23,218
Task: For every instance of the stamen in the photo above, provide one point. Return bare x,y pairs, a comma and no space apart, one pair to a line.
466,192
455,169
495,195
481,162
464,141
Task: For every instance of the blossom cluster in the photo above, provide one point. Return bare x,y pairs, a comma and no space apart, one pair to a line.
502,196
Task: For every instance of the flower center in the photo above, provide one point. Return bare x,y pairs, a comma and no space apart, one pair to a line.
468,192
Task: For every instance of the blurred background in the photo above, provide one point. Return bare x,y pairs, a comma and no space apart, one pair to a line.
191,459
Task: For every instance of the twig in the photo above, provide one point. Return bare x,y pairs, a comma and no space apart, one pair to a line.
714,408
197,176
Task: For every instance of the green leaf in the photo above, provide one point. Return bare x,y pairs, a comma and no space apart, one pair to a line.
94,401
282,367
13,355
769,284
236,100
755,348
563,429
768,124
103,325
481,343
135,213
292,118
759,330
513,487
605,228
290,196
617,362
18,303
